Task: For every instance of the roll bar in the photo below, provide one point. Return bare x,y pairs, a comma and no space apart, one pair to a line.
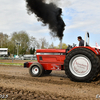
86,36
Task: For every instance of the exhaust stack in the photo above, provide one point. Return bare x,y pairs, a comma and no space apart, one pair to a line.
61,44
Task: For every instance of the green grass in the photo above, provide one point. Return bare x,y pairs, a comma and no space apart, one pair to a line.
18,64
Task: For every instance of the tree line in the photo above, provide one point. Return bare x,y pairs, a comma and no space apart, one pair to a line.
21,43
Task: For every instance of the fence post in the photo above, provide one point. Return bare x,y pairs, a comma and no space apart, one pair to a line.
12,59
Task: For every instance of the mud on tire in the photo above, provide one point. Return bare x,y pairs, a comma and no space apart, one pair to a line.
89,70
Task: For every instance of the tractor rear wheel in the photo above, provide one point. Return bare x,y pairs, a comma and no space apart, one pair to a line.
36,70
81,65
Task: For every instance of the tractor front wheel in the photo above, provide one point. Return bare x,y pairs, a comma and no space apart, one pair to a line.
36,70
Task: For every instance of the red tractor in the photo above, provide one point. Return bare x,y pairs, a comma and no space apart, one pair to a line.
80,63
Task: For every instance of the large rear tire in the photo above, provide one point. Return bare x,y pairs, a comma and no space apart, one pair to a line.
81,65
36,70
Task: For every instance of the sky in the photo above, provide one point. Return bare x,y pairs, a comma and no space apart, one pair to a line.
80,16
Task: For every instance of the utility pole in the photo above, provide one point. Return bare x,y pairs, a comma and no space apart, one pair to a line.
18,44
17,50
1,43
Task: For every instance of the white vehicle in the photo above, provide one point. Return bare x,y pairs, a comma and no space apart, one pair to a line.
3,51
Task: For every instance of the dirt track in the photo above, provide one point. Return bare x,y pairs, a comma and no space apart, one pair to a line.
16,82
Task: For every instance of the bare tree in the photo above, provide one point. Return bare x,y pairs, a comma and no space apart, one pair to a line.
34,43
44,44
51,46
3,40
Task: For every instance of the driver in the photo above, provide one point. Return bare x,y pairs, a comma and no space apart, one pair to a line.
81,41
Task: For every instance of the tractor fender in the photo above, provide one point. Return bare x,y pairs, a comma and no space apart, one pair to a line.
87,47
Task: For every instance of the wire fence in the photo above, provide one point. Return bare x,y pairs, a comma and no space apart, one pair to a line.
19,58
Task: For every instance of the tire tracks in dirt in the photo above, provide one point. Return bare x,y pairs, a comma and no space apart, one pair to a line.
56,86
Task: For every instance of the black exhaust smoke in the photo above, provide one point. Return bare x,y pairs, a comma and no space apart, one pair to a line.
49,14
